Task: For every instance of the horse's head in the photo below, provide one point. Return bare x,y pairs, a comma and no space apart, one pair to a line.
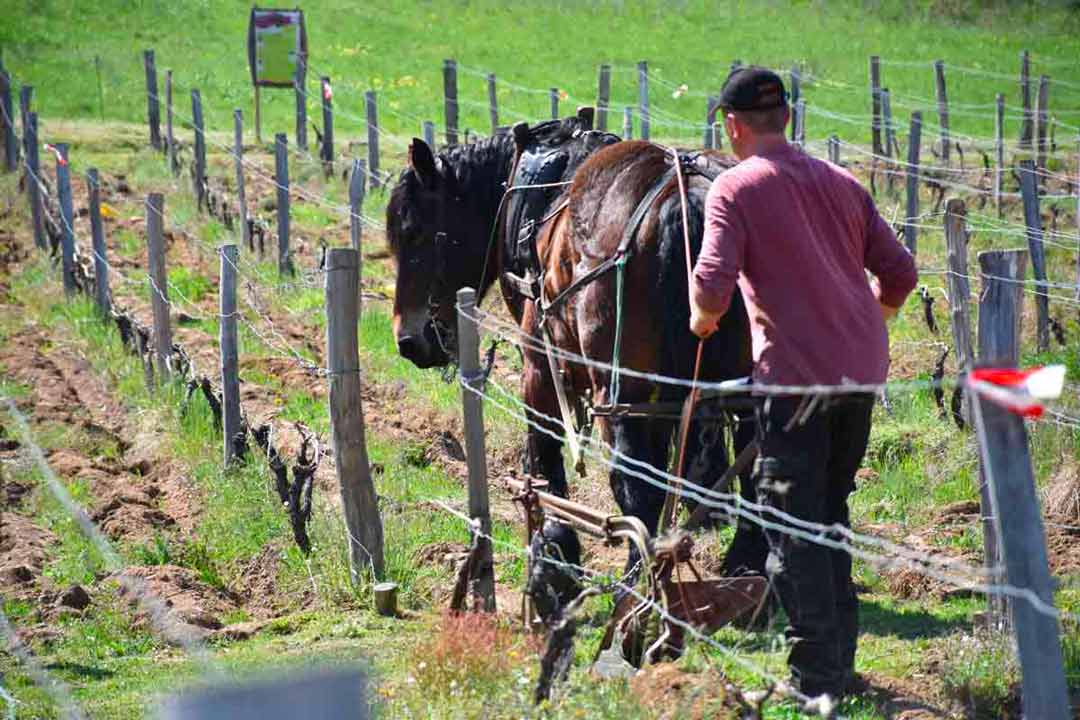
436,228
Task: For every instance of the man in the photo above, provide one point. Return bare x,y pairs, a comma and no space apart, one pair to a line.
795,234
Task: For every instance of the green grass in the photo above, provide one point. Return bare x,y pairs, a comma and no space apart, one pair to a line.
397,49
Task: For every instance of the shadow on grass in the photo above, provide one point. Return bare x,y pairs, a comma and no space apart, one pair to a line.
80,670
907,623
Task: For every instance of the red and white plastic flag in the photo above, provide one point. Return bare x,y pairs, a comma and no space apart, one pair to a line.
55,151
327,93
1019,391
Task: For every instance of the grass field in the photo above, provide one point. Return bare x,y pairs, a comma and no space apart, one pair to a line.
397,48
917,646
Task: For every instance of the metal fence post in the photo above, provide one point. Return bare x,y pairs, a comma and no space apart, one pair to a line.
7,123
643,99
372,116
281,179
875,104
603,97
153,104
493,104
357,189
942,109
1033,221
67,217
450,101
33,187
327,149
300,90
241,194
198,168
911,230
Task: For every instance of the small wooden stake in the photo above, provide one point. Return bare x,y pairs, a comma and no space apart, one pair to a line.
7,123
603,97
97,234
300,89
875,104
911,230
158,279
241,195
386,598
170,138
450,101
33,189
372,115
199,166
942,109
1033,220
472,389
999,150
327,149
153,104
643,99
358,499
357,189
1028,124
67,217
230,354
281,179
493,104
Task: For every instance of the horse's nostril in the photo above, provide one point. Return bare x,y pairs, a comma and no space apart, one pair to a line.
408,347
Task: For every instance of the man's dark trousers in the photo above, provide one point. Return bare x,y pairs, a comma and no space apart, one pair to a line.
810,451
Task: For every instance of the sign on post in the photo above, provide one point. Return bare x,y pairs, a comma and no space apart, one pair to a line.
277,42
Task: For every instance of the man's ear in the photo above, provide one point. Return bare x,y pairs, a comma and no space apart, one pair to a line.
422,162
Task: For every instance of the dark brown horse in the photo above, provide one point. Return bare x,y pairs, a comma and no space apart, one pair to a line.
460,193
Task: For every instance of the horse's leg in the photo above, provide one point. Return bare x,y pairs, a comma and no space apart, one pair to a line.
543,449
647,441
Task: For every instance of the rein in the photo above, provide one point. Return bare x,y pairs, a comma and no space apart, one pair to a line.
667,514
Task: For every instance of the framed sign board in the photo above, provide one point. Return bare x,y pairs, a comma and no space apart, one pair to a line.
276,40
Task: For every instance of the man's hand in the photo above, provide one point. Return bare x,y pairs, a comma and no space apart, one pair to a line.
703,324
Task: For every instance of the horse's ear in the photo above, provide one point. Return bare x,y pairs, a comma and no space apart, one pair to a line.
422,162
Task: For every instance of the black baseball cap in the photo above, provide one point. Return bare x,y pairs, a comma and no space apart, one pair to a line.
753,88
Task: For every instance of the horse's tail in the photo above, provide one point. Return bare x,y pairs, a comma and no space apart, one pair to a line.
672,291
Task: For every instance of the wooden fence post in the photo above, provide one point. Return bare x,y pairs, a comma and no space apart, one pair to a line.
97,235
26,97
300,89
170,138
159,282
67,217
1006,464
911,231
942,108
357,188
281,179
834,149
712,107
875,104
999,149
230,355
889,137
493,104
241,194
1032,219
643,99
1025,99
429,134
1042,118
628,123
358,499
7,123
800,123
450,101
153,105
472,389
326,152
796,92
603,97
198,168
33,188
959,287
553,96
372,113
1001,303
